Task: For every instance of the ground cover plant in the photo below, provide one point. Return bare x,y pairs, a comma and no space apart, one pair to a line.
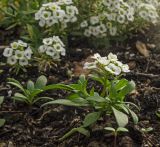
63,81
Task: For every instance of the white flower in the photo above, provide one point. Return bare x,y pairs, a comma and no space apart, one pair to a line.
63,52
8,52
28,53
113,69
42,48
57,47
50,51
125,68
56,39
66,2
42,23
121,19
102,28
118,63
91,65
73,19
53,6
59,14
96,56
51,21
94,20
19,54
71,10
143,14
38,15
21,43
11,60
107,3
56,56
103,61
94,30
87,33
113,31
112,57
46,15
130,17
14,45
23,62
48,41
84,24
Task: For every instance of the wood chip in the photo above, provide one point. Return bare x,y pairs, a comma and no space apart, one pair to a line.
141,47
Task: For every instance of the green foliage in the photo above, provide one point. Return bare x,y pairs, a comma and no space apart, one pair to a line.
2,121
30,94
112,102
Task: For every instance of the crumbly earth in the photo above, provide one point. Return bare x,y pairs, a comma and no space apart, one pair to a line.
42,127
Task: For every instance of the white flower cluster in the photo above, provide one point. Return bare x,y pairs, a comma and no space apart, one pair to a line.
18,53
114,16
94,27
60,13
148,12
114,13
52,47
109,64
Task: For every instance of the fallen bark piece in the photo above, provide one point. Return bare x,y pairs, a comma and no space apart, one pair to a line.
141,47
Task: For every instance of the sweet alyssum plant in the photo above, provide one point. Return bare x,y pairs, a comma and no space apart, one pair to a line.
113,18
18,55
30,93
50,52
111,100
57,14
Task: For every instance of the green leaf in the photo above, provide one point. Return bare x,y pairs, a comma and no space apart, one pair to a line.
121,129
126,90
83,131
58,86
110,129
16,83
91,118
80,101
63,102
30,85
42,98
20,97
121,84
35,92
92,91
96,78
96,99
112,91
134,116
2,121
1,99
82,79
41,82
121,118
74,130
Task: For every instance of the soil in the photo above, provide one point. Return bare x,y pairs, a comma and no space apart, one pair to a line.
42,127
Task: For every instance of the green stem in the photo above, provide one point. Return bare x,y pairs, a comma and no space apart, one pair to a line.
104,88
115,139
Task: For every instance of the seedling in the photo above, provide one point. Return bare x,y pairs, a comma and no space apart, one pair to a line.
116,132
30,94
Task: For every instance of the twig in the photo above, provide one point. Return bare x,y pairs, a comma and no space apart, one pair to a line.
3,46
43,115
146,75
12,112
